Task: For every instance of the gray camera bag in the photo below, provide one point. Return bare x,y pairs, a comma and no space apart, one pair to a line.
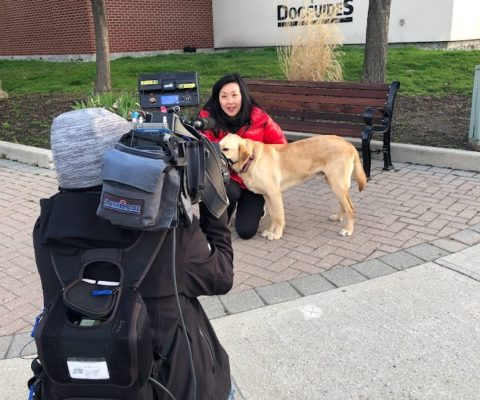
140,190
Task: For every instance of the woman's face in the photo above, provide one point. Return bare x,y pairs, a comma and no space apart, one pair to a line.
230,99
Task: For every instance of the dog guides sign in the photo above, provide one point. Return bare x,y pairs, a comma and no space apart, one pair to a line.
295,15
253,23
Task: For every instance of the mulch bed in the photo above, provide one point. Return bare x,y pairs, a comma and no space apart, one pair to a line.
428,121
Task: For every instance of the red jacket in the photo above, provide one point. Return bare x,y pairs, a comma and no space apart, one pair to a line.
262,128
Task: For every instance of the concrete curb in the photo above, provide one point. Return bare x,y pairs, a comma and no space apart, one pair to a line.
408,153
426,155
435,156
27,154
342,276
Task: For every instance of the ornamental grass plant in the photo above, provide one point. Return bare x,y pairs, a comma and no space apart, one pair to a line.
313,54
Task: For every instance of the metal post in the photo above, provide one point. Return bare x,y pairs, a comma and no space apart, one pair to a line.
474,133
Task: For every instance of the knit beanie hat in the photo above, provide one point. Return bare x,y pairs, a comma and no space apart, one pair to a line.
78,140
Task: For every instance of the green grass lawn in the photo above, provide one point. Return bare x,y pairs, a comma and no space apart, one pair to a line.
421,72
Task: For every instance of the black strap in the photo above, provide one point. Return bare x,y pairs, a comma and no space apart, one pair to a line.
34,383
134,261
138,258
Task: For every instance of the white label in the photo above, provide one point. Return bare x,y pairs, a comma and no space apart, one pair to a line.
87,369
108,283
104,283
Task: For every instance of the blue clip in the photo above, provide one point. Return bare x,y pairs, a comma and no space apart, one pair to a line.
32,392
37,321
106,292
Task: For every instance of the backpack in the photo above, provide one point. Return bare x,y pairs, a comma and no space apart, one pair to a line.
94,341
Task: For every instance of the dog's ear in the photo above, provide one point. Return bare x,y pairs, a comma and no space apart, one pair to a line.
245,150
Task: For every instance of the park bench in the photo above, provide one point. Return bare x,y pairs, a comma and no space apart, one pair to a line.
349,109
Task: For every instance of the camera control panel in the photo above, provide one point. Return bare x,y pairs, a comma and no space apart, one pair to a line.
168,89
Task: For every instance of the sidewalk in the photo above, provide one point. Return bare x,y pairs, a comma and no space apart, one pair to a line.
413,334
408,222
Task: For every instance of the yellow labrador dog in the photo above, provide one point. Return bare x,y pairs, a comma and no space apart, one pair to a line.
269,169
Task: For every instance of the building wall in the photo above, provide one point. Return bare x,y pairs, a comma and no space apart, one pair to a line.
65,27
45,27
466,20
148,25
421,21
251,23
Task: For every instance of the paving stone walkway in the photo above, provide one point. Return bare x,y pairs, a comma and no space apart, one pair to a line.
404,217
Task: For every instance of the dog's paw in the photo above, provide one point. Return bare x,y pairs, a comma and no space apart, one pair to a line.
271,235
345,232
335,218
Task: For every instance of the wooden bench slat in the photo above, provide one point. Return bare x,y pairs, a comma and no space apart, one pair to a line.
312,115
257,90
316,127
354,101
273,106
308,84
332,108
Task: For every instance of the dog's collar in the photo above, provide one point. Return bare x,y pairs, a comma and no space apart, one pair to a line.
247,164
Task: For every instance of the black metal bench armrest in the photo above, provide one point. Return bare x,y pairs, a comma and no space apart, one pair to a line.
370,112
386,111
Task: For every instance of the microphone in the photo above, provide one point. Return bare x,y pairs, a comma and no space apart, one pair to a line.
204,123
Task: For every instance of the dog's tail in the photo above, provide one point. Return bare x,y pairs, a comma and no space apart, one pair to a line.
360,176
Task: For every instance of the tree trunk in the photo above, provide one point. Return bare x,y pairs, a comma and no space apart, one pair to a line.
376,44
103,81
3,94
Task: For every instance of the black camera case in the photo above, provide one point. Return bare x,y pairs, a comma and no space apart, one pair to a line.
94,341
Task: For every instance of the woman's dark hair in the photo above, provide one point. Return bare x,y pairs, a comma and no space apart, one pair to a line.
223,121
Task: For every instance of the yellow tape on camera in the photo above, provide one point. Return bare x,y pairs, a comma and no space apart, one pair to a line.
186,85
151,82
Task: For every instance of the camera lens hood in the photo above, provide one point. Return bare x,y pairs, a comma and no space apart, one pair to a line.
213,194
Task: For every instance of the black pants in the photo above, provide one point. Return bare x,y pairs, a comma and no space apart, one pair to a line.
249,208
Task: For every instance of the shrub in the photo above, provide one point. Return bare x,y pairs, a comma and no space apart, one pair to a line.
120,103
313,54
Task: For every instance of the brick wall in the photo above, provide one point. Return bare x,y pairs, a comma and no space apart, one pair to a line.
65,27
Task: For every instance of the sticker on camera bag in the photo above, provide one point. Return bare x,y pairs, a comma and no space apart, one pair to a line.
122,204
88,368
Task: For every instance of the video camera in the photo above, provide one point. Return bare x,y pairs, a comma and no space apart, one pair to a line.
151,178
164,165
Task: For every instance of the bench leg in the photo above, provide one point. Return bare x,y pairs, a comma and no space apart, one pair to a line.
366,153
367,157
387,155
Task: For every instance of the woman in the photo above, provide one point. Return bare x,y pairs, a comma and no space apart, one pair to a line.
235,111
